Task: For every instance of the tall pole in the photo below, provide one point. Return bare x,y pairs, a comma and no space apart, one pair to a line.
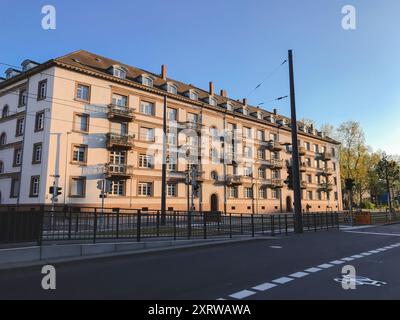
295,153
164,165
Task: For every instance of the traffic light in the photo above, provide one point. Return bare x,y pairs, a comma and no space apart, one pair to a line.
55,191
289,179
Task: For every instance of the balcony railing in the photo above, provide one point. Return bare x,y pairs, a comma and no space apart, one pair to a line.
233,180
115,140
326,156
118,112
273,183
118,170
274,146
176,176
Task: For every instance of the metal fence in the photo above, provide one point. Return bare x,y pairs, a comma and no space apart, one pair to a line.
93,225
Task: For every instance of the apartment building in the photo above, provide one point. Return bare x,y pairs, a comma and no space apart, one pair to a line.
77,120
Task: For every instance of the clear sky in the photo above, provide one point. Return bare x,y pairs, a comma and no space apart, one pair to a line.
340,75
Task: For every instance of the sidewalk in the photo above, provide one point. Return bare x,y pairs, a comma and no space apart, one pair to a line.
50,254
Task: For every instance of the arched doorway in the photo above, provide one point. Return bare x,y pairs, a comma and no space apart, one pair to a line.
289,206
214,203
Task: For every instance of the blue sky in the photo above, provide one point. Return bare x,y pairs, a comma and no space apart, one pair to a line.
340,75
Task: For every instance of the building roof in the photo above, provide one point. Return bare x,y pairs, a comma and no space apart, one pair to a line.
83,60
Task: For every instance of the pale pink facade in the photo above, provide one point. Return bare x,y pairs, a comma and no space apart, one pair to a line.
100,123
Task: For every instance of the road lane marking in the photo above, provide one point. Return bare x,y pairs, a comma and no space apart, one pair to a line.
336,262
357,256
325,266
298,275
283,280
366,254
348,259
242,294
313,270
264,287
374,251
275,247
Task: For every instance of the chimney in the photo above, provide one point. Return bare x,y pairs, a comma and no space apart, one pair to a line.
164,72
211,88
275,112
245,101
223,93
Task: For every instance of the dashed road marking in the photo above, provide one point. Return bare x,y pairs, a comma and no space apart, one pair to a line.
375,233
275,247
357,256
264,287
348,259
283,280
325,266
298,275
374,251
242,294
313,270
336,262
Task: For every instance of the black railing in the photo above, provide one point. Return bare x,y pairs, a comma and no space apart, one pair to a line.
95,224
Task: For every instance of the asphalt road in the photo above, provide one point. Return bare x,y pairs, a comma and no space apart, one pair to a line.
283,268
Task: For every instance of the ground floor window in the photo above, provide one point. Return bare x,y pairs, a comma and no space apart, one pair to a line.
248,192
145,189
233,192
77,186
34,188
172,190
117,187
263,193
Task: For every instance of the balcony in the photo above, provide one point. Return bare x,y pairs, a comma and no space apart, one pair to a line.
274,163
302,151
120,113
273,183
118,171
274,146
326,156
303,185
176,176
120,141
188,125
303,166
233,180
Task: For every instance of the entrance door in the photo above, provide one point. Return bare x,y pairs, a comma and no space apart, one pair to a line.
289,206
214,203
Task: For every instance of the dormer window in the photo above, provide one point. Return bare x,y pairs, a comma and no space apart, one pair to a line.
11,73
212,101
193,95
259,115
229,107
245,111
119,72
171,88
147,81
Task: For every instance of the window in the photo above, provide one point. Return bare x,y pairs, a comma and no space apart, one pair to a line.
316,148
214,132
172,190
119,128
3,139
83,92
171,163
260,135
171,138
5,111
245,111
42,90
247,172
309,195
336,196
248,192
14,191
145,189
172,88
117,187
119,100
247,152
319,195
262,193
333,150
214,155
145,161
259,115
37,153
146,108
334,166
274,194
192,117
262,173
275,155
233,192
17,157
275,174
1,167
20,127
147,81
79,153
309,178
147,134
23,98
77,187
193,95
261,154
335,181
274,137
246,132
171,114
81,122
39,121
214,175
212,101
307,145
119,73
34,188
308,162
